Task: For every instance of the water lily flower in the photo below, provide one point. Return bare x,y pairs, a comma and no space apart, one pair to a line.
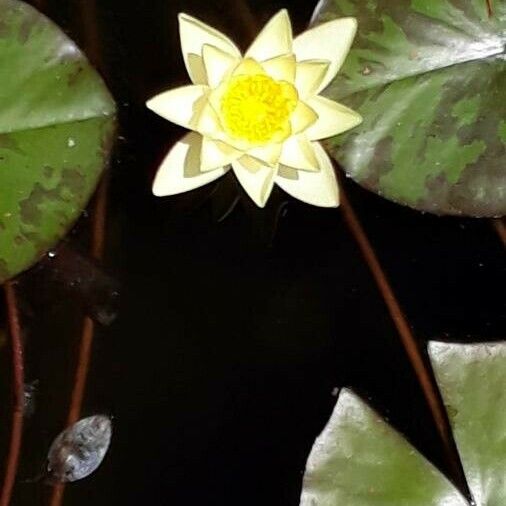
259,113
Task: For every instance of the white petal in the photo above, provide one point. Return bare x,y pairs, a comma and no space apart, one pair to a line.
248,67
268,154
298,153
180,171
333,118
209,124
256,178
309,76
329,41
288,172
182,106
274,40
315,188
194,34
218,64
281,68
302,118
216,154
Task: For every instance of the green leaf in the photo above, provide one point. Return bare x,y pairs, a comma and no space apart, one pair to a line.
428,77
472,380
359,460
57,123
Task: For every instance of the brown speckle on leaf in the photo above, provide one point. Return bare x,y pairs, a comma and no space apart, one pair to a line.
4,29
74,76
74,181
413,54
30,207
48,171
7,142
30,20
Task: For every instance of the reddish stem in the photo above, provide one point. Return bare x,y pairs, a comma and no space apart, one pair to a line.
490,8
500,228
86,342
408,340
18,384
88,14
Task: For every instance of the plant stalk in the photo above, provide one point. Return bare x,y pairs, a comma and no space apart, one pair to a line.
18,386
408,340
500,227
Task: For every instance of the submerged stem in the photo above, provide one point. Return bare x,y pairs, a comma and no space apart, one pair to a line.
18,386
500,227
421,368
490,8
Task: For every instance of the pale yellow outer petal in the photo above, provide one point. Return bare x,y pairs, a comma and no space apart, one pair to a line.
218,64
209,125
275,39
216,154
315,188
180,171
298,153
194,35
281,68
333,118
302,118
329,41
256,178
309,76
182,106
268,154
248,67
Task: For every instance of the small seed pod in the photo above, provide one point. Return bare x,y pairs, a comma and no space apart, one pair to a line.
79,450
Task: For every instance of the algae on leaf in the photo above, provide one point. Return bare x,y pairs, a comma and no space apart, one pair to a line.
428,76
57,123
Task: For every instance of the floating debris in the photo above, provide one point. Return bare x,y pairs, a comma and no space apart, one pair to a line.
30,394
79,450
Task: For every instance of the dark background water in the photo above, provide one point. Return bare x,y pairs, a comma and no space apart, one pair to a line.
232,334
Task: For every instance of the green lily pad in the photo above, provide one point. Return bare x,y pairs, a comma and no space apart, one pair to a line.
472,380
57,123
359,460
428,77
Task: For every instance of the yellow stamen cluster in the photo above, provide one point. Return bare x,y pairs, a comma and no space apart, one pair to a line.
257,109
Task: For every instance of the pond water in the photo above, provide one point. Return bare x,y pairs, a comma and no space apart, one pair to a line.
234,329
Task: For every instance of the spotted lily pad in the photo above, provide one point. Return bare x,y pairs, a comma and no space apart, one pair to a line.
428,77
359,460
56,128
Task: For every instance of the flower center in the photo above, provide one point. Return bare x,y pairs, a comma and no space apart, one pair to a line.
257,109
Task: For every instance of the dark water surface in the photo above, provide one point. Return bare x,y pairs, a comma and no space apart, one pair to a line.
232,335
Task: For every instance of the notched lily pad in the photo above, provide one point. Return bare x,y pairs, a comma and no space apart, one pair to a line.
359,460
428,77
57,123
